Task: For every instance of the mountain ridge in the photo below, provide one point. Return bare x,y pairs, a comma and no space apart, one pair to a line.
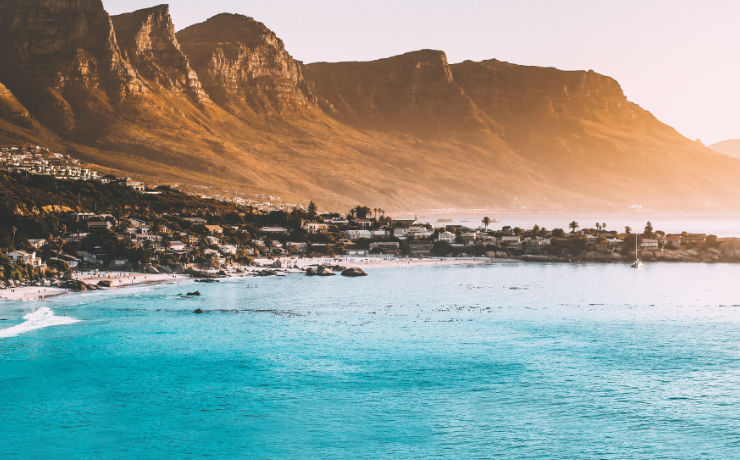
223,104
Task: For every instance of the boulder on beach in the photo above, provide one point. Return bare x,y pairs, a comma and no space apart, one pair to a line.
105,283
353,272
310,271
325,271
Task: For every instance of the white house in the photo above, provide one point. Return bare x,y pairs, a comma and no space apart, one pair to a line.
446,237
177,246
649,243
359,234
24,258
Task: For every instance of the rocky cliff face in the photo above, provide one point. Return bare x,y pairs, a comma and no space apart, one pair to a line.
414,92
409,132
147,40
61,59
243,65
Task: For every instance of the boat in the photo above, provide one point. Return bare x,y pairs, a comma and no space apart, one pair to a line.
637,263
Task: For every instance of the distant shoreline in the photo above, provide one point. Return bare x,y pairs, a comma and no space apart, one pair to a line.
293,265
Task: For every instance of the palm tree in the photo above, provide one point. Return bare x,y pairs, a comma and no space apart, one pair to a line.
603,226
598,226
627,230
12,241
573,226
486,220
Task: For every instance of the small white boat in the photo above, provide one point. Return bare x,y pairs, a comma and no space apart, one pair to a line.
637,263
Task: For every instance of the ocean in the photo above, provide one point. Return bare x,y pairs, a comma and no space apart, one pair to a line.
510,360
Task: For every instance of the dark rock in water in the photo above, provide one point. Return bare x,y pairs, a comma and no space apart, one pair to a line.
207,280
265,273
325,271
353,272
198,311
195,293
105,283
310,271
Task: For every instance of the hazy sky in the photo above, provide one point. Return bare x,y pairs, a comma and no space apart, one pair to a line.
680,59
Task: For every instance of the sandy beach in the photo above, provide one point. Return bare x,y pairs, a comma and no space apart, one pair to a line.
374,262
117,279
124,279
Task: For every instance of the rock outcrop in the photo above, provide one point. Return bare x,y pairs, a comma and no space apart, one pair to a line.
244,66
414,92
61,60
147,39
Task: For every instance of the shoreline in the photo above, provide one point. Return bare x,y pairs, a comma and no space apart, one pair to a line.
291,265
117,279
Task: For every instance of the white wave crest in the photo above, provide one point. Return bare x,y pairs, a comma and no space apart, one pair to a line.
41,318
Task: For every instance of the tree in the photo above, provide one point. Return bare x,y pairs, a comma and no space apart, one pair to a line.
12,241
648,230
486,220
603,226
312,209
627,230
598,226
573,226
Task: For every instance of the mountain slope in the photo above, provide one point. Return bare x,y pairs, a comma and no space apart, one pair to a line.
729,147
223,105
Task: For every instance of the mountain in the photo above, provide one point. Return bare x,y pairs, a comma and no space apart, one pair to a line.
244,65
222,105
729,147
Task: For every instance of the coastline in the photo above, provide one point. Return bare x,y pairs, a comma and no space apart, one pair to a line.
289,265
292,265
117,279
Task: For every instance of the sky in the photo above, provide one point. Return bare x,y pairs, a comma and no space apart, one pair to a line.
679,59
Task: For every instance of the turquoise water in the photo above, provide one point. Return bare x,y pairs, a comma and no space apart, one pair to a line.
509,360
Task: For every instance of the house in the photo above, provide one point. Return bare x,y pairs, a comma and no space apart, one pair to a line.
446,237
649,243
212,240
228,249
510,241
36,243
469,238
195,220
215,229
296,247
694,238
418,231
99,225
133,184
674,240
24,258
364,223
315,227
386,247
378,233
421,248
487,240
177,246
274,230
358,234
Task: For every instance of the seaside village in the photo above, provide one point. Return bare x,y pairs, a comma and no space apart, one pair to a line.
267,240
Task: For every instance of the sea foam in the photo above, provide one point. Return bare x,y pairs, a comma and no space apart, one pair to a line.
39,319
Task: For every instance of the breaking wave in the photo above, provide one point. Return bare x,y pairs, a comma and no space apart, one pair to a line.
39,319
